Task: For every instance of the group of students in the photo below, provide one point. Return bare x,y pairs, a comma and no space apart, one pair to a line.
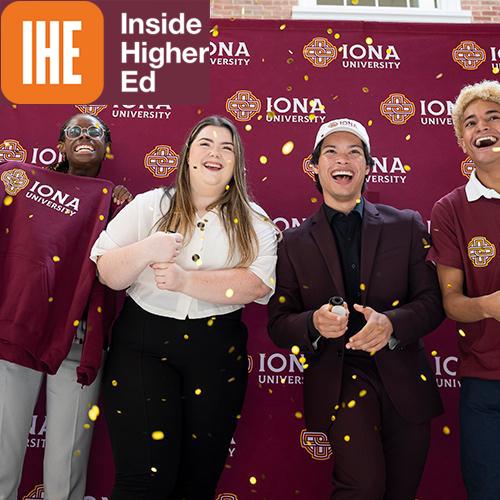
192,255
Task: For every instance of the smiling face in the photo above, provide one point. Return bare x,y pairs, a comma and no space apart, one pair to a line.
211,160
341,169
481,132
84,153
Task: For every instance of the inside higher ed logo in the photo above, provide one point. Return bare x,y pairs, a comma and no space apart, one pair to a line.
52,52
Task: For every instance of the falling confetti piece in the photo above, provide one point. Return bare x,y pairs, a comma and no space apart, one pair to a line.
77,453
370,123
306,78
114,383
263,159
76,322
306,366
354,376
347,438
51,299
446,430
439,75
154,469
227,187
434,353
314,199
372,353
365,90
298,414
252,480
407,168
236,220
495,70
395,303
14,106
186,336
281,299
362,393
99,309
101,217
369,40
7,201
336,36
270,115
351,404
329,31
461,333
197,392
290,60
263,179
355,2
210,322
408,137
86,426
105,190
362,287
289,88
157,435
312,117
229,293
302,360
56,258
248,127
295,350
282,27
333,418
423,377
287,148
232,379
215,31
94,413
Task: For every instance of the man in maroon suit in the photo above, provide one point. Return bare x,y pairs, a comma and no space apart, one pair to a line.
368,384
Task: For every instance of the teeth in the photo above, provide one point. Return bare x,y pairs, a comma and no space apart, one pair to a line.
485,141
83,146
342,172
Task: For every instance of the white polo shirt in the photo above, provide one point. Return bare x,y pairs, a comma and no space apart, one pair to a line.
207,250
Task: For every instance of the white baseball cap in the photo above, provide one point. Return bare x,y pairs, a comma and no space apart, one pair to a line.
343,125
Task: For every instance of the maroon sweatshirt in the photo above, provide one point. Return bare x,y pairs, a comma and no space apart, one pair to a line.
48,224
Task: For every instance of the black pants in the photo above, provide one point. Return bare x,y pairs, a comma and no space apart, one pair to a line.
183,381
377,454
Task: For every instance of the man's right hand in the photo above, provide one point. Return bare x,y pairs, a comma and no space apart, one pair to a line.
162,247
491,305
329,324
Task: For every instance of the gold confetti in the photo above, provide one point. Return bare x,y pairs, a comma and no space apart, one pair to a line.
314,199
94,413
227,187
329,31
76,322
347,438
99,309
333,418
7,201
101,217
369,40
395,303
336,407
105,190
248,127
186,336
263,159
289,88
306,78
355,2
14,106
282,27
236,220
232,379
86,426
77,453
56,258
281,299
197,392
434,353
210,322
290,60
408,137
407,168
215,31
370,123
287,148
495,70
114,383
270,115
365,90
372,353
336,36
461,333
154,469
229,293
302,360
51,299
362,393
423,377
354,376
446,430
306,366
362,287
157,435
351,404
388,50
312,117
252,480
439,75
295,350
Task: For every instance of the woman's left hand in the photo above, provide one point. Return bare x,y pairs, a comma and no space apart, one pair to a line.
121,195
169,276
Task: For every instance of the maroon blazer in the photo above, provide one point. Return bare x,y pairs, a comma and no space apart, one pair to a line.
393,267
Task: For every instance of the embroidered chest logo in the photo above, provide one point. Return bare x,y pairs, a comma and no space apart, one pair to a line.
316,444
481,251
14,180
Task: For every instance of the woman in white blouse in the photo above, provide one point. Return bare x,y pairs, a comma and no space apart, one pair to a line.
190,257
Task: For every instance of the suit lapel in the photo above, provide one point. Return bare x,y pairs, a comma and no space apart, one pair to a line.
323,236
371,227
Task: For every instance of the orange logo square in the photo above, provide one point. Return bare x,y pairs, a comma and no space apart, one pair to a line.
52,52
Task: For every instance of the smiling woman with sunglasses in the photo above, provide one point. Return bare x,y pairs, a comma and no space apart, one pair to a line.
83,141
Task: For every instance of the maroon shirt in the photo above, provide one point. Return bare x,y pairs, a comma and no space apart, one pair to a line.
48,224
466,236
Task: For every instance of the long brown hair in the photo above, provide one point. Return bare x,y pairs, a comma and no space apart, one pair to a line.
233,203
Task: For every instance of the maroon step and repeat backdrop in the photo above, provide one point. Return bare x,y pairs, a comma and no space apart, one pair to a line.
279,81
